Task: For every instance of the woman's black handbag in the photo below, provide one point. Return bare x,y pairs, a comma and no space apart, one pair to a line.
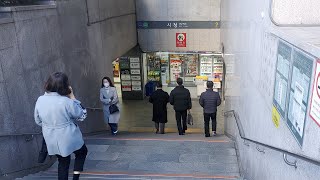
43,152
113,108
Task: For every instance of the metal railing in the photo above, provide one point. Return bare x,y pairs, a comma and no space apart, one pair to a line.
28,136
285,152
31,135
94,108
10,3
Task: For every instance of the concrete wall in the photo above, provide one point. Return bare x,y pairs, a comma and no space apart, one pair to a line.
179,10
296,13
250,40
35,42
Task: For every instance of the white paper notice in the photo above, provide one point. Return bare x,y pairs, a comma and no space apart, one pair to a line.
315,97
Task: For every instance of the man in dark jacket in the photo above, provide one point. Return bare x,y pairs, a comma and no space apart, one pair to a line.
209,100
159,99
181,100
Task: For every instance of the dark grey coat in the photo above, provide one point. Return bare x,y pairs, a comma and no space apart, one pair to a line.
209,100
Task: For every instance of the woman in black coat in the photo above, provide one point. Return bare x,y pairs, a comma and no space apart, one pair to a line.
159,99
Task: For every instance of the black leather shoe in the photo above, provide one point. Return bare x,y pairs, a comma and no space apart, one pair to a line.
207,135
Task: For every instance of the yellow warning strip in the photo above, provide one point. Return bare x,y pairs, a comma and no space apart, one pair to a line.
167,130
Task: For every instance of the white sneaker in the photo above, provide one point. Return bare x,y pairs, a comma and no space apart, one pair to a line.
214,133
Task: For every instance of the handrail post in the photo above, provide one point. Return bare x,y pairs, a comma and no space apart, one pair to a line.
294,164
246,143
260,150
285,152
29,138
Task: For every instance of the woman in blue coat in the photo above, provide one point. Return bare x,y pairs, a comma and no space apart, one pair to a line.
56,112
108,97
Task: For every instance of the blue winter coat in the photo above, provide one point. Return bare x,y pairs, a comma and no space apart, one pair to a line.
57,115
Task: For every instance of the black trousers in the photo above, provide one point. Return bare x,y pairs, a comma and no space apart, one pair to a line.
181,116
64,163
160,127
113,127
207,117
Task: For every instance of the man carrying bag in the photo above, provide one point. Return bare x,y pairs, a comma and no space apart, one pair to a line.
210,100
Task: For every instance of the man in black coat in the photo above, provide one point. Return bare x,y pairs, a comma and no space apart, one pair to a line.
159,99
180,98
209,100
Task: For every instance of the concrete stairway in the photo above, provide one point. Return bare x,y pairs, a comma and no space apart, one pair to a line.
151,156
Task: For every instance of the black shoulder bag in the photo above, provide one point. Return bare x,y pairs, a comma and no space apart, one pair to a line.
43,152
113,108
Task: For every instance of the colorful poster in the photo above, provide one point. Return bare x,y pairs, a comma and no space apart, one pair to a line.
175,67
191,65
282,76
315,97
181,39
301,73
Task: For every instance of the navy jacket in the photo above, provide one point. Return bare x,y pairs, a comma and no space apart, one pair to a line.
209,100
180,98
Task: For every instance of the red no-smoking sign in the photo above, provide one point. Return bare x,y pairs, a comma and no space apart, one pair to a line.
315,97
181,39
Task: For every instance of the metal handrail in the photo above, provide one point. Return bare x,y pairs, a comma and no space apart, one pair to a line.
285,152
38,133
94,108
21,134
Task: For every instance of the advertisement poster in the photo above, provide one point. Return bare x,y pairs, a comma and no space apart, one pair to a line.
315,97
191,63
301,73
181,39
116,69
282,76
175,67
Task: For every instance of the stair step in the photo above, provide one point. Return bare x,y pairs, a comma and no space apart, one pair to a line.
212,143
125,175
156,157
